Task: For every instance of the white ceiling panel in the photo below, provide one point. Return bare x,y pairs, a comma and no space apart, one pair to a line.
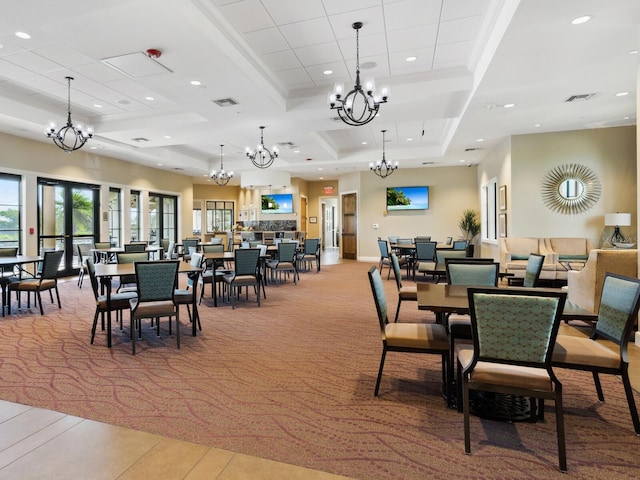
318,54
464,29
268,40
410,38
247,15
292,11
423,12
309,32
13,71
279,61
34,62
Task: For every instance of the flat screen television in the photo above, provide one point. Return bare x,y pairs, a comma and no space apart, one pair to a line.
408,198
277,203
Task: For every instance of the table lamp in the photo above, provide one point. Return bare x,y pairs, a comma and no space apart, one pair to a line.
617,220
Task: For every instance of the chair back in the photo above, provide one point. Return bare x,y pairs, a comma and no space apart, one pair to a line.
384,248
246,261
254,243
103,245
311,246
302,236
424,238
460,245
448,241
618,309
287,251
170,250
245,245
426,251
83,250
156,281
164,243
532,271
396,269
517,327
405,241
216,241
51,264
188,243
472,272
131,257
135,247
8,251
229,243
196,261
379,298
91,268
393,239
263,250
442,255
217,248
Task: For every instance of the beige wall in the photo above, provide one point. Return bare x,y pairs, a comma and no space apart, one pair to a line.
32,159
451,191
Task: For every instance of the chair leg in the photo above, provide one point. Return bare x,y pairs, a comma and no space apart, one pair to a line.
398,309
57,296
632,404
596,380
465,409
39,300
562,450
93,327
384,354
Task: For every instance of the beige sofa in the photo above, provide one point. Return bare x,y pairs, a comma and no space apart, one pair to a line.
585,286
562,254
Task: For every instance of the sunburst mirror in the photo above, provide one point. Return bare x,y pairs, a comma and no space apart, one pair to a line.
570,189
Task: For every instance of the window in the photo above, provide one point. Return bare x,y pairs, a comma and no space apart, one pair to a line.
10,208
197,220
219,216
135,215
163,217
115,217
489,209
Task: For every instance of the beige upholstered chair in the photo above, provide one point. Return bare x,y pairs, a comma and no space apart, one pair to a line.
406,337
514,332
47,280
617,312
585,286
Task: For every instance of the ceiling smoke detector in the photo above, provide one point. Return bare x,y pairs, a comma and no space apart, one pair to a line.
153,53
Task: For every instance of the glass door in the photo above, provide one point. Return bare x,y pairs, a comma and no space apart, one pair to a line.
67,215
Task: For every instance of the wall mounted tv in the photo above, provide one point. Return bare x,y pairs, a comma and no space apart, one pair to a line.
408,198
277,203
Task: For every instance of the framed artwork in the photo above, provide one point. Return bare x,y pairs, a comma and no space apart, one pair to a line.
502,225
313,219
502,197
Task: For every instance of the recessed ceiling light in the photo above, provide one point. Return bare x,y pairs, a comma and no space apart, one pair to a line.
364,143
97,105
579,20
633,52
159,164
23,35
622,94
462,160
296,151
537,125
479,139
509,105
409,139
149,98
93,147
328,72
321,178
411,59
1,46
320,169
167,136
196,82
625,118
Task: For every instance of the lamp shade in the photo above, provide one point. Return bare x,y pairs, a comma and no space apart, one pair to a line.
617,219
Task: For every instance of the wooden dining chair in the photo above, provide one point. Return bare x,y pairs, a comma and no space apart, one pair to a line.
616,318
406,337
514,332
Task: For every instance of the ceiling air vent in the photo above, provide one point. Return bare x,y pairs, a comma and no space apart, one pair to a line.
580,98
225,102
471,149
140,139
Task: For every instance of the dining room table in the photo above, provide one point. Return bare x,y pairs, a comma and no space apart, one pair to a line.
108,255
18,261
106,271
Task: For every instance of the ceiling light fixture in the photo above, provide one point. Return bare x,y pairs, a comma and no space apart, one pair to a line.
382,168
580,20
221,177
359,106
262,157
69,138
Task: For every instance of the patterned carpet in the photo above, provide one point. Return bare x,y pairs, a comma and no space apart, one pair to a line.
293,381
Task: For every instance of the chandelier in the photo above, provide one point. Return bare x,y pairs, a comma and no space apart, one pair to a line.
382,168
221,177
359,106
262,157
69,137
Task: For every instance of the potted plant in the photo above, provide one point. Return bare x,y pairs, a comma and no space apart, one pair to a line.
469,225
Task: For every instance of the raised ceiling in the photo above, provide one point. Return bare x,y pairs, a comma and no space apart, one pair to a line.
265,60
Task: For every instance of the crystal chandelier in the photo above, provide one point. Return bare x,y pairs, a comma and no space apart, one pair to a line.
359,106
221,177
382,168
69,137
262,157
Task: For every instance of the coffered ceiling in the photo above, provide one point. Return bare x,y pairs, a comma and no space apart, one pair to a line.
263,62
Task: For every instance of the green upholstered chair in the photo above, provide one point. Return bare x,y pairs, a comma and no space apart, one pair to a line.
246,274
616,317
188,295
514,332
156,284
425,257
135,247
532,270
310,254
129,257
83,251
189,245
284,263
408,293
7,277
119,301
406,337
385,260
46,280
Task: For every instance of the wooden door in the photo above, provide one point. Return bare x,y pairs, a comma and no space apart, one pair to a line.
349,226
303,215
